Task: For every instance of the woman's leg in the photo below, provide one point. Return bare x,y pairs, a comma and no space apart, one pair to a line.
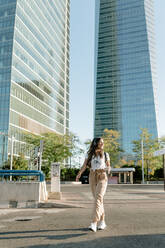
99,195
92,182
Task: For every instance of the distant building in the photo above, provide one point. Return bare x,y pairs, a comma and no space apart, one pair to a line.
34,69
125,74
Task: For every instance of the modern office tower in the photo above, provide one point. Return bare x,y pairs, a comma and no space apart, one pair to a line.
125,82
34,69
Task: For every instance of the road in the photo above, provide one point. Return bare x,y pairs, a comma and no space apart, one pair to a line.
135,215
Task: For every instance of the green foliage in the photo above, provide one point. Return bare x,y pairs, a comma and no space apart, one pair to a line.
87,144
63,173
162,142
158,173
149,146
75,149
112,145
19,163
75,144
46,170
137,174
69,174
56,148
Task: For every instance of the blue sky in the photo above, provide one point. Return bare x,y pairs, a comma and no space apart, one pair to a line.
82,66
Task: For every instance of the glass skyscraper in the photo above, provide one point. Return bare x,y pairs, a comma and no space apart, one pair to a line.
34,69
125,74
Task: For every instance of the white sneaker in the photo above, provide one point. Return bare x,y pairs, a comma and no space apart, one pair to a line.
93,227
102,225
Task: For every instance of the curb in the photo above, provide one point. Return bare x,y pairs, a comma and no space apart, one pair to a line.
54,204
71,182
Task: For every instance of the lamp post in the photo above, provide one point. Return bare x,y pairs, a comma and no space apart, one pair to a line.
142,160
164,169
41,151
11,155
72,146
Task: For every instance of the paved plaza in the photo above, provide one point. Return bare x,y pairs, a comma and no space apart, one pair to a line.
135,215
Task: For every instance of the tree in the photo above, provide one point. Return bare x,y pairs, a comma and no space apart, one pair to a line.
149,146
112,145
19,163
56,148
87,144
158,173
69,174
138,173
162,142
75,149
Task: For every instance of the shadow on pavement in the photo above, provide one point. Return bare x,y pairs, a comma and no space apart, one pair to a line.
50,237
134,241
42,231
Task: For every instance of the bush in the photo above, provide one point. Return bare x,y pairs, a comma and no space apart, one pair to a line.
158,173
46,170
69,174
19,163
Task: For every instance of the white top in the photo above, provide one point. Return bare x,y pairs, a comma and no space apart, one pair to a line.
98,163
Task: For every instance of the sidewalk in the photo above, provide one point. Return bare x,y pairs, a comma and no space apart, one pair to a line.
78,196
135,217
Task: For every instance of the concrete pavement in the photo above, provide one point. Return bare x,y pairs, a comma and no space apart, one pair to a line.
135,216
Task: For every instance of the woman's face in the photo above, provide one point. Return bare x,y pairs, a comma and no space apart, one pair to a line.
101,144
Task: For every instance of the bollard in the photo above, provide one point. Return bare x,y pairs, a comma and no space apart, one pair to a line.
55,182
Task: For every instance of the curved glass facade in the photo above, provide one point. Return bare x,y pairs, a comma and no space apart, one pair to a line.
125,98
7,19
34,71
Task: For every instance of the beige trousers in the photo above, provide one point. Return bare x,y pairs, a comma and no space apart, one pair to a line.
98,182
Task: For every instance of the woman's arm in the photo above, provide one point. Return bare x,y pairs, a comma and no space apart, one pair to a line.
83,168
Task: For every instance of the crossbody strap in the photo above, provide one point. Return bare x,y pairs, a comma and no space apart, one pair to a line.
105,156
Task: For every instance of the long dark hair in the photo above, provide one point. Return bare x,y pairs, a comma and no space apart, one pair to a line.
92,150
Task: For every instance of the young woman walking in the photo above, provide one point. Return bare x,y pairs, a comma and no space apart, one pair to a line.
98,161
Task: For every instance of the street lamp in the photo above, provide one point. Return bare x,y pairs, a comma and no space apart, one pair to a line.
142,160
38,150
71,145
11,155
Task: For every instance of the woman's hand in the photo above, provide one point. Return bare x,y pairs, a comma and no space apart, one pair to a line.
83,168
109,170
78,177
108,167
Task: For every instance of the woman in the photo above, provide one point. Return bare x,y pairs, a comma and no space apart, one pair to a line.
97,160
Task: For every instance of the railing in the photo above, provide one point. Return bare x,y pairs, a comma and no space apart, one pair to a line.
28,173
